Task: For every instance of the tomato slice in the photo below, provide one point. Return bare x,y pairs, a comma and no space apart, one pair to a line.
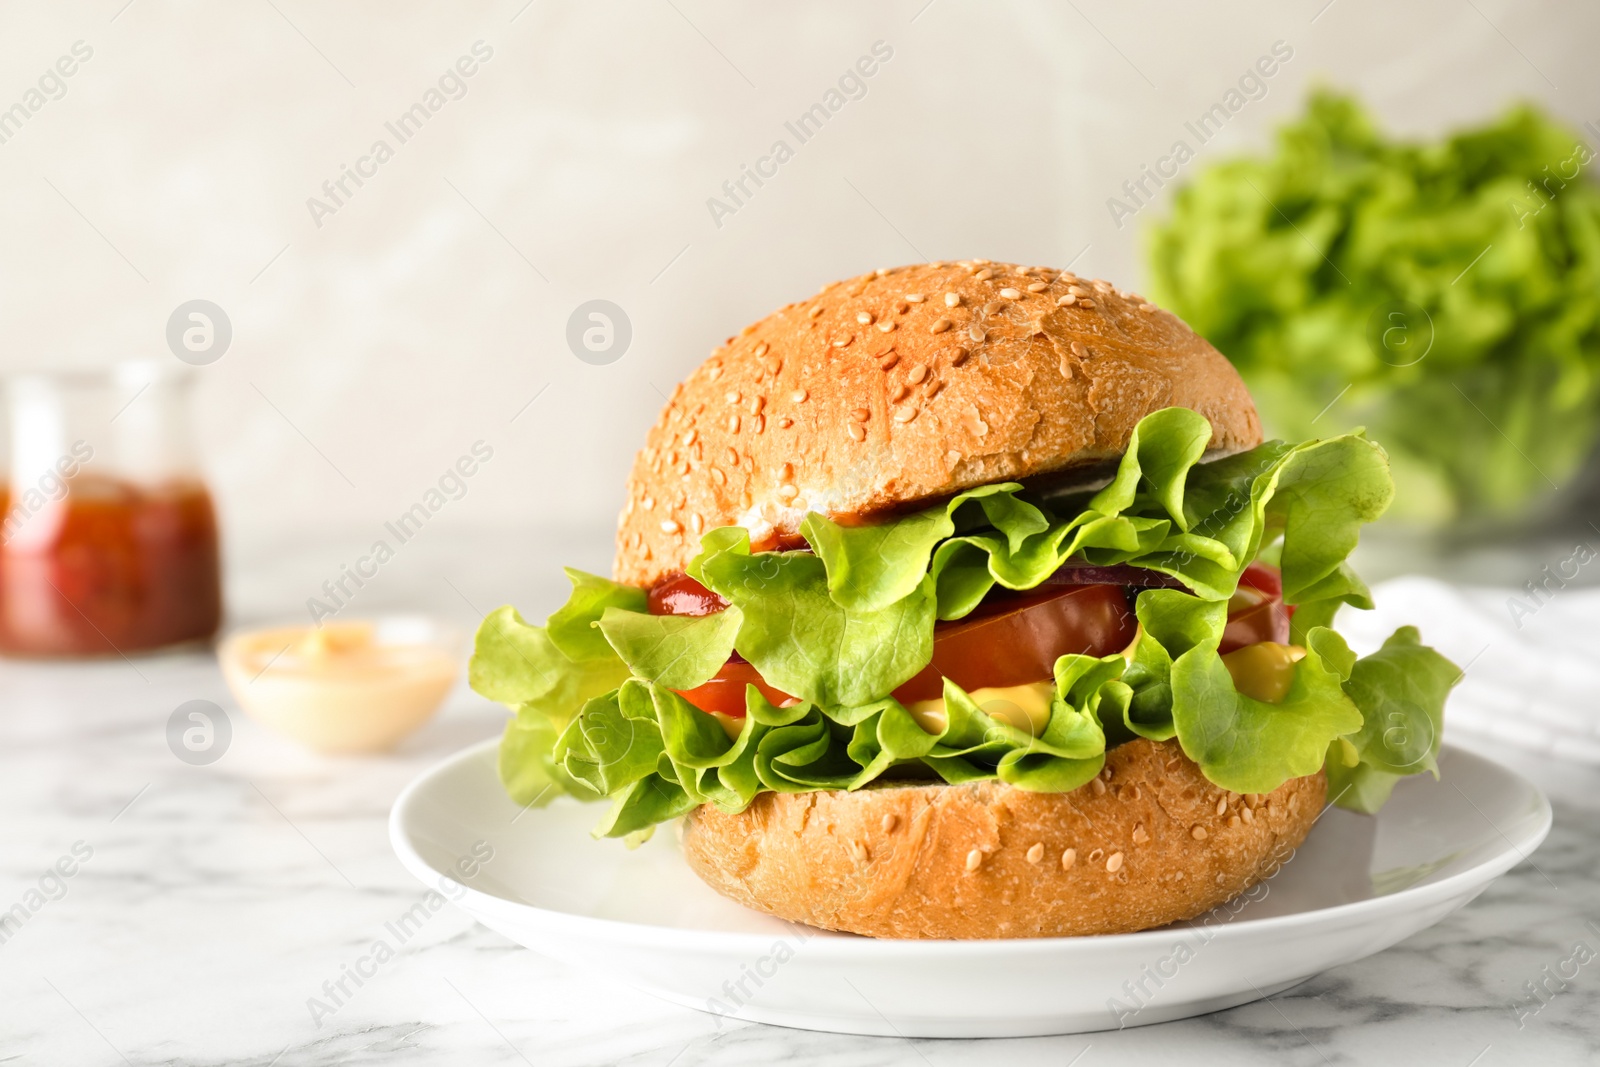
679,594
1009,639
1257,612
1264,577
725,691
1016,639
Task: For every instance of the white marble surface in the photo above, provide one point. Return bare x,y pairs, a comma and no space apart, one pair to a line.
218,899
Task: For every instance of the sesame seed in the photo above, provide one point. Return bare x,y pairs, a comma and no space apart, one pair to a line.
843,341
984,275
1131,792
974,860
889,823
1096,855
1247,815
952,300
940,326
733,424
1198,833
718,477
1066,301
774,366
857,431
670,526
1102,287
976,332
915,298
689,437
888,360
788,492
1097,787
733,457
714,373
1222,805
958,357
1233,821
1140,835
1036,852
1068,858
799,396
696,522
1114,863
815,311
1147,307
1086,304
1077,290
901,307
1222,879
799,503
933,389
899,393
905,415
1010,294
1038,287
859,851
886,326
861,414
917,373
761,349
864,318
993,307
732,398
1066,368
1080,350
786,472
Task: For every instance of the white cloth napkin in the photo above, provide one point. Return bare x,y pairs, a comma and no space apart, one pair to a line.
1532,662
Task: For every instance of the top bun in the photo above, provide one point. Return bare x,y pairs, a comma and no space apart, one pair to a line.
907,385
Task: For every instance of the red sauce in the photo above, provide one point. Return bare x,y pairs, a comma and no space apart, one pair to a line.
110,568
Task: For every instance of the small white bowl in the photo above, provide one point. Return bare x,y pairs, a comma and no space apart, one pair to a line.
344,687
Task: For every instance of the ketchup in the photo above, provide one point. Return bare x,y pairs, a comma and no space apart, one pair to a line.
111,567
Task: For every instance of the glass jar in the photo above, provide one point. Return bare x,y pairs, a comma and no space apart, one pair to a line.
109,539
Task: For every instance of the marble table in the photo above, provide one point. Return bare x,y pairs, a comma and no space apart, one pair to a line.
207,905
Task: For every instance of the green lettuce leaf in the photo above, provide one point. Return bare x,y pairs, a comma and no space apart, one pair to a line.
800,638
679,651
1401,690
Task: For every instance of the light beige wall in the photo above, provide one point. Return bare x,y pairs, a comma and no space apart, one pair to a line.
425,313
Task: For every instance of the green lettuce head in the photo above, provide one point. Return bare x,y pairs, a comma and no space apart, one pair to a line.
1445,294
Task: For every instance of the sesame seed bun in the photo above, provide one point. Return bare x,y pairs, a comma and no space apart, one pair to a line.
1147,843
907,385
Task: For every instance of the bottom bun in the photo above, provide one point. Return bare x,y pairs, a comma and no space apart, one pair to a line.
1148,842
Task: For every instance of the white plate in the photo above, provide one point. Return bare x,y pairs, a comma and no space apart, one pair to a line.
642,918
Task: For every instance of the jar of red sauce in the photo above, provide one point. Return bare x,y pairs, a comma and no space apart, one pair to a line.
108,542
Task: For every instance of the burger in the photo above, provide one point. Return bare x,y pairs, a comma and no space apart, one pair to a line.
965,600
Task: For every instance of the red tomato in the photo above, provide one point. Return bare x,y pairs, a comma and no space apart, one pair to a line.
1264,577
679,594
1010,639
1016,639
1256,613
725,691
